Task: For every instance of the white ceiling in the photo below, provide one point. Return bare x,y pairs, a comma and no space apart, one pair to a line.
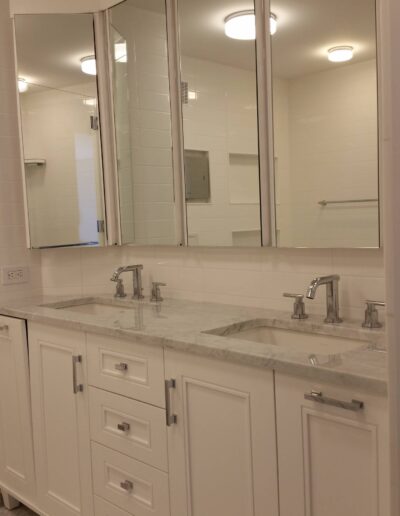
306,30
49,47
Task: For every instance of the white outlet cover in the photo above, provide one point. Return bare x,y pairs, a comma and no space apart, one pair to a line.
14,275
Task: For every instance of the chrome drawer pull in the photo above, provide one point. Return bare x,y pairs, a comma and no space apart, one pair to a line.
124,427
318,397
127,485
77,387
121,366
171,418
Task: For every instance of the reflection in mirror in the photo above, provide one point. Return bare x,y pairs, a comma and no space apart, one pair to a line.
325,123
60,129
143,122
220,124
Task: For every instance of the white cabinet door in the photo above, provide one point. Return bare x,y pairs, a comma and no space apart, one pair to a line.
222,448
16,445
332,461
60,420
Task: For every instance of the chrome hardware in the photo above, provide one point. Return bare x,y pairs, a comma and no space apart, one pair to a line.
119,289
348,201
371,314
101,226
332,296
318,397
127,485
137,279
124,427
171,418
77,387
122,366
156,292
299,308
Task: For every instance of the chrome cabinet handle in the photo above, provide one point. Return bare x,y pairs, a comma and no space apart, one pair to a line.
127,485
121,367
171,418
318,397
124,427
77,387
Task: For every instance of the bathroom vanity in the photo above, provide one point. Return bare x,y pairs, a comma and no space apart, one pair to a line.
139,408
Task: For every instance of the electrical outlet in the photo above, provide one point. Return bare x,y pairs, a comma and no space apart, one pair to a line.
12,275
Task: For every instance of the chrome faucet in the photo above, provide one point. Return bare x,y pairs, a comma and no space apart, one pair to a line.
332,296
137,280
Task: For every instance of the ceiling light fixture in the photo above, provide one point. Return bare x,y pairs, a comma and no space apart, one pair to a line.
340,54
22,85
90,101
88,65
242,25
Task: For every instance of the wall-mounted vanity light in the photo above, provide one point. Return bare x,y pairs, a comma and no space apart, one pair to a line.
340,54
88,65
242,25
22,85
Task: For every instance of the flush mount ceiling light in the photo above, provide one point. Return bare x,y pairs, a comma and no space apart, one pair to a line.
22,85
88,65
242,25
120,53
340,54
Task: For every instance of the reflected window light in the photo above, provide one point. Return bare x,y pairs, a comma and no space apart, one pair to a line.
192,95
120,52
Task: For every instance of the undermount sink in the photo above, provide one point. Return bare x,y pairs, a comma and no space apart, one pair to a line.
97,307
291,340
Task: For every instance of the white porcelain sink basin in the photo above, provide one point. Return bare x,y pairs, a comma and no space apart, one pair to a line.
299,341
98,309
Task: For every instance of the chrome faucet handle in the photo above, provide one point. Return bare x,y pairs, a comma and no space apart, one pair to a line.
299,308
119,289
156,292
372,315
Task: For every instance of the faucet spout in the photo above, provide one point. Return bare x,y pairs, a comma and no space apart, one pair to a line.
332,295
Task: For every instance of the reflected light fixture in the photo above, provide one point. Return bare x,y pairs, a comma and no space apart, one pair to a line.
242,25
88,65
340,54
120,53
22,85
90,101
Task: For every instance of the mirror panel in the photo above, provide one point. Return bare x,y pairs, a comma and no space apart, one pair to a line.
325,124
219,103
60,130
142,114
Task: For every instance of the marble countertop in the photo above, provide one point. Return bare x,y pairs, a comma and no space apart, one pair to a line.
184,325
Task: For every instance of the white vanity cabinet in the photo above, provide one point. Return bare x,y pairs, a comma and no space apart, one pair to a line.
332,460
17,474
60,415
222,444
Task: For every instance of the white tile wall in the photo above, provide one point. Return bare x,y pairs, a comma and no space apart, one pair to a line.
12,232
252,277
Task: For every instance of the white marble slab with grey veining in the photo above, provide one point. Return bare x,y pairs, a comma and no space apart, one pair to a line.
184,325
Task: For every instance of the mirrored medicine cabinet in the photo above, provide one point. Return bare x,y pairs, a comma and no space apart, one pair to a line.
212,123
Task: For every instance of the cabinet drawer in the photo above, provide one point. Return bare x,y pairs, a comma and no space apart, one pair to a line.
128,426
103,508
127,368
146,490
